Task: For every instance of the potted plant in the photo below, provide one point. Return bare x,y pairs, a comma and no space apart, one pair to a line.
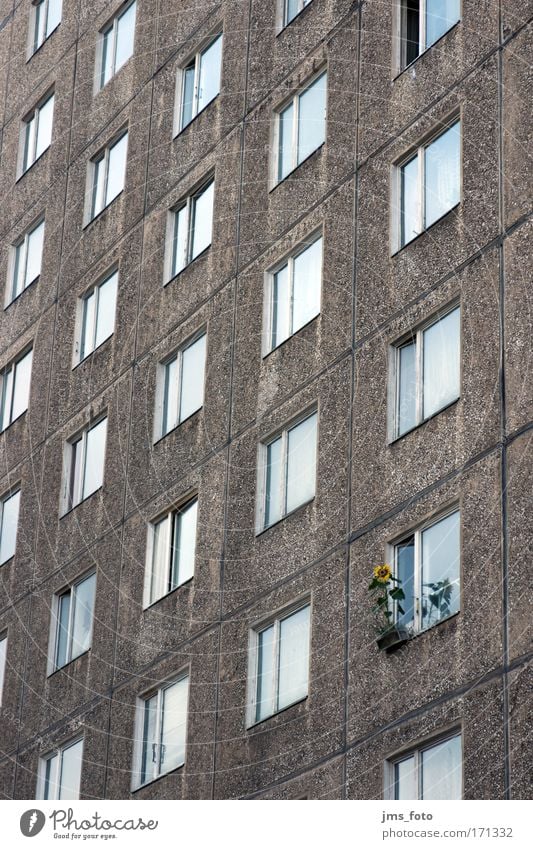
387,595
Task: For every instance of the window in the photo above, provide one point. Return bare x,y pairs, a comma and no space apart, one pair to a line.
430,772
428,563
116,43
15,389
85,463
280,663
26,262
288,470
181,380
430,183
97,315
73,621
108,172
162,726
200,81
37,132
191,226
9,517
3,655
301,126
60,772
291,8
46,18
293,294
171,550
427,371
422,24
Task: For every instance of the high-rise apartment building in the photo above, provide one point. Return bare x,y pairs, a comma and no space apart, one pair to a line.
266,325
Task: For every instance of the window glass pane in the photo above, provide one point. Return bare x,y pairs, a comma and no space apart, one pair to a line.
406,388
97,200
94,458
273,483
440,16
30,131
35,251
405,779
192,378
18,269
410,31
306,286
116,168
69,787
285,129
312,120
38,30
291,9
405,571
442,770
442,179
149,757
107,56
125,36
179,246
202,223
173,725
280,306
184,544
54,15
21,392
6,398
3,648
209,82
440,570
160,559
75,472
107,298
8,526
265,673
44,130
62,638
170,397
409,218
83,615
50,777
293,658
187,95
441,363
301,463
88,319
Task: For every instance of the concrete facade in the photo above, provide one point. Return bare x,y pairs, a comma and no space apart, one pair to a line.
364,705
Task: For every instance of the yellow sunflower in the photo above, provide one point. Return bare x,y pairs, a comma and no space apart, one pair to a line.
383,573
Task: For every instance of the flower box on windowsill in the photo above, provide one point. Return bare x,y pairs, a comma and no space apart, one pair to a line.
392,638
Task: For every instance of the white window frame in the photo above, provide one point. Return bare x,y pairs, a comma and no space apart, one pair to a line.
195,58
396,200
3,498
268,306
55,624
417,336
36,40
23,242
112,24
11,369
80,316
32,137
68,498
283,11
103,156
401,62
59,751
136,783
253,658
416,532
161,384
278,111
416,751
186,203
3,663
168,516
262,456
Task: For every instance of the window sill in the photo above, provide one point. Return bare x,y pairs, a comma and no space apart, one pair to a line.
20,415
295,333
195,117
43,42
167,595
5,562
33,164
185,267
79,503
416,427
275,524
68,663
99,214
94,350
157,778
177,427
288,176
414,634
426,230
409,67
20,294
253,725
292,20
99,88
